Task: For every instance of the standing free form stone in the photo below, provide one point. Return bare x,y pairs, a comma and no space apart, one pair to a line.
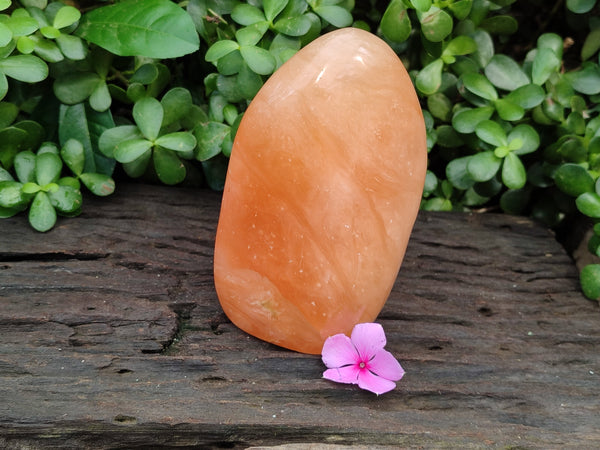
323,187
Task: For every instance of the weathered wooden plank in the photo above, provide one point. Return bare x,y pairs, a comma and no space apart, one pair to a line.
112,337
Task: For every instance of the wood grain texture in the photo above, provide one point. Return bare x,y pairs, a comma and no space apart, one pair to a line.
112,337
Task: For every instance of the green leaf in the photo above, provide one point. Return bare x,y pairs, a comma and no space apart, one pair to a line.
458,174
5,35
591,44
180,141
483,166
210,137
545,64
273,8
485,47
47,168
98,183
293,26
72,47
168,166
440,106
502,24
335,15
258,59
75,87
138,167
220,49
466,120
128,151
148,115
590,281
24,165
73,155
245,14
42,215
573,179
100,99
8,113
436,24
421,5
514,175
86,125
460,45
507,110
251,34
28,68
527,96
528,137
479,85
580,6
492,133
429,79
589,204
66,199
395,23
505,73
65,16
111,138
586,80
461,8
158,29
176,104
11,194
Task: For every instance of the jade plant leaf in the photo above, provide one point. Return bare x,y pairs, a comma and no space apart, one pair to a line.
47,168
129,151
168,166
179,141
580,6
429,79
479,85
483,166
24,165
505,73
436,24
28,68
98,183
514,175
545,64
335,15
11,194
42,215
589,204
75,87
590,281
148,115
65,199
246,14
395,23
573,179
466,120
158,29
73,155
491,132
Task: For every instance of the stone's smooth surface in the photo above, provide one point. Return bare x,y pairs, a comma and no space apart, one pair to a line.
323,187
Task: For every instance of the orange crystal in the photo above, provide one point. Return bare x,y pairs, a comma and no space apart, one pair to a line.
322,191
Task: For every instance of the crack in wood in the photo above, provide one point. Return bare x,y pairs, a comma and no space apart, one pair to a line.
51,256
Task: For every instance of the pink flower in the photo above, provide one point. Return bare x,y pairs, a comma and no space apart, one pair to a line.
361,359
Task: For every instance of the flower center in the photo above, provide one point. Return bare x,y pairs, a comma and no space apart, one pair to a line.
362,365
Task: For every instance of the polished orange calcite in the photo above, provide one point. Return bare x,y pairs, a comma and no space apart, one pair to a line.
322,191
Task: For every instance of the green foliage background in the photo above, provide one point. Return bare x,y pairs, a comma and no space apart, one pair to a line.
154,89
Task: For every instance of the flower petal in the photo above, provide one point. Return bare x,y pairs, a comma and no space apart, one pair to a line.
368,338
373,383
386,366
338,351
348,374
